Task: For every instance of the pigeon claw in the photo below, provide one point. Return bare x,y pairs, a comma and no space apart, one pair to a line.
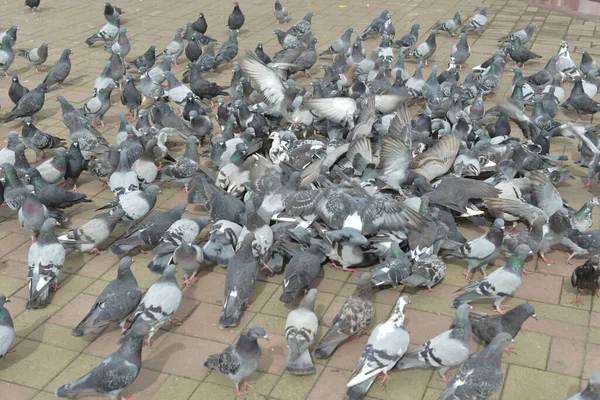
467,275
190,280
578,301
509,350
335,265
147,341
175,321
384,379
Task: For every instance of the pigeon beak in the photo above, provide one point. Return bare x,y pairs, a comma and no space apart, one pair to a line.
266,338
160,192
7,301
535,317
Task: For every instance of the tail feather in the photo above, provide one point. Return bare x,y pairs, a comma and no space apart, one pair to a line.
359,392
70,390
410,360
467,297
160,262
302,365
414,280
230,315
325,352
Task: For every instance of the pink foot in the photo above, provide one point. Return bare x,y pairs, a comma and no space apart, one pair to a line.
384,379
508,350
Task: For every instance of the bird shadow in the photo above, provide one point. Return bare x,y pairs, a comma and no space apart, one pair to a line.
19,354
159,359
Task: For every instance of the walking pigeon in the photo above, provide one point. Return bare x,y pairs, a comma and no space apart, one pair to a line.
236,18
29,104
586,276
107,33
136,204
59,71
39,141
426,49
486,326
91,235
341,46
300,331
300,271
477,22
407,41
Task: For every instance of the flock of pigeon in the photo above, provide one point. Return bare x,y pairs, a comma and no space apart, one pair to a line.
293,177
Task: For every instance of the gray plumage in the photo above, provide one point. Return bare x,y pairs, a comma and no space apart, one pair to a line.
486,326
90,141
386,345
158,305
7,329
115,373
300,331
354,316
481,375
446,350
37,140
54,169
499,284
45,261
341,45
11,33
236,18
425,50
122,47
189,257
592,390
145,167
97,106
407,41
14,189
7,154
520,53
29,104
52,196
391,271
132,145
228,51
452,25
176,47
105,79
7,55
242,272
131,96
115,303
59,71
477,22
426,272
123,179
136,204
300,271
32,215
223,239
107,33
240,360
91,235
281,13
186,167
146,60
461,51
524,35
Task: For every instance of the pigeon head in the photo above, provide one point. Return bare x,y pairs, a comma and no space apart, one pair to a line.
125,267
257,332
153,190
593,201
178,210
462,317
498,344
522,312
15,78
131,341
3,299
499,223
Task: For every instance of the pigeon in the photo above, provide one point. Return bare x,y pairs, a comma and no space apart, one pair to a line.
499,284
115,303
426,271
53,170
32,216
481,375
14,189
341,46
115,373
123,179
104,80
236,18
33,4
111,11
580,101
376,27
300,271
477,22
446,350
228,51
11,33
37,140
59,71
582,219
353,318
135,204
91,235
97,106
242,272
145,167
426,49
7,154
461,51
282,15
524,35
407,41
175,48
29,104
158,305
452,25
592,389
7,329
481,251
200,25
386,345
590,88
121,46
146,60
222,242
52,196
520,53
300,331
131,97
107,33
46,259
565,65
16,90
586,276
7,55
240,360
186,167
188,257
394,269
193,50
587,63
148,233
485,326
303,26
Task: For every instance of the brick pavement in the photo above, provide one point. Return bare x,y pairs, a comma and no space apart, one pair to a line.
555,354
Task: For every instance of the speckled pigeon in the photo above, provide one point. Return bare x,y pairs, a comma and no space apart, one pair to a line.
240,360
186,167
300,331
352,319
394,269
37,140
115,303
428,271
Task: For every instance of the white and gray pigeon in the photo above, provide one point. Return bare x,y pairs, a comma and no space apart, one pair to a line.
175,48
119,298
300,331
591,392
7,154
186,167
105,79
499,284
123,179
242,272
188,257
148,233
452,25
91,235
107,33
7,329
240,360
54,169
386,345
481,251
282,15
481,375
425,50
136,204
565,65
352,319
7,55
32,216
113,375
97,106
46,259
477,22
222,242
446,350
158,305
122,47
427,271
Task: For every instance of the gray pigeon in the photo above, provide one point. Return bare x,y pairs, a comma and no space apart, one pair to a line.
105,79
303,26
222,242
236,18
520,53
107,33
407,41
122,47
446,350
282,15
427,272
97,106
524,35
37,140
146,60
499,284
481,375
461,51
240,360
300,271
59,71
352,319
228,51
123,179
135,204
186,167
341,45
148,233
115,303
54,169
591,392
145,166
189,257
452,25
52,196
425,50
14,189
579,101
131,97
160,302
486,326
32,216
481,251
90,141
242,272
477,22
91,235
7,154
394,269
11,33
16,90
29,104
300,331
175,48
115,373
386,345
7,55
46,259
7,330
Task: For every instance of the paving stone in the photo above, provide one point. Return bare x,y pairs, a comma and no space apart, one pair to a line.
529,383
566,357
29,320
291,387
60,336
12,391
204,323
